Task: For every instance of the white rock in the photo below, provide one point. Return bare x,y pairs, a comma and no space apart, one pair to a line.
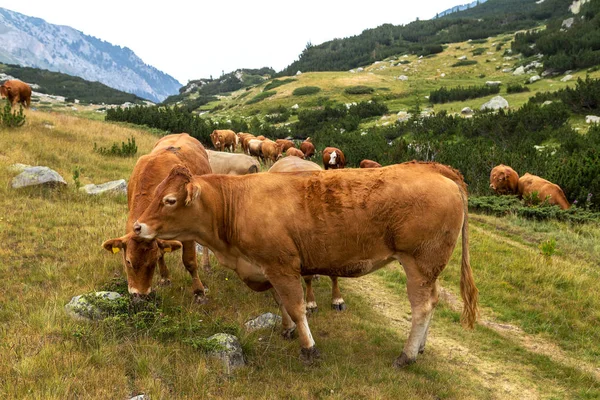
566,78
592,119
567,23
546,103
295,107
466,111
113,187
403,77
462,57
519,71
267,320
443,75
299,73
493,83
229,351
80,308
534,78
38,176
495,103
507,70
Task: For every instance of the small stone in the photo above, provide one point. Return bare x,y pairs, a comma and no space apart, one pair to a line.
113,187
495,103
267,320
229,351
80,308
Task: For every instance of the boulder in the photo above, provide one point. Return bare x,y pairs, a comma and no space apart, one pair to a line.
113,187
298,73
534,78
80,308
295,106
267,320
506,70
38,176
466,111
519,71
566,78
495,103
547,103
493,83
227,349
592,119
403,77
18,168
567,23
462,57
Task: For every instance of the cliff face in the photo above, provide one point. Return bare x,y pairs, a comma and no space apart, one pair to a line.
33,42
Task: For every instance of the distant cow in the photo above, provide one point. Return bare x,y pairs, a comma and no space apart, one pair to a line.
285,144
546,190
232,163
224,139
504,180
17,92
307,148
292,151
295,164
273,228
244,138
270,150
333,158
255,148
369,164
141,255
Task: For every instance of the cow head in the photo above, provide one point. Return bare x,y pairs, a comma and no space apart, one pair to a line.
139,259
333,158
214,137
500,180
4,91
170,213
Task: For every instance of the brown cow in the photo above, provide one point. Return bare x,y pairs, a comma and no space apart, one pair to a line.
295,164
285,144
270,150
17,92
224,139
504,180
141,255
292,151
244,138
369,164
307,148
333,158
338,223
546,190
232,163
255,148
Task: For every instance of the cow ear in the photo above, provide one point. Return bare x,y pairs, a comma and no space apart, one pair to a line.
193,191
115,245
168,246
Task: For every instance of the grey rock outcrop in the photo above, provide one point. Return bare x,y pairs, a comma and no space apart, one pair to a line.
228,349
80,308
495,103
534,78
38,176
113,187
566,78
466,111
267,320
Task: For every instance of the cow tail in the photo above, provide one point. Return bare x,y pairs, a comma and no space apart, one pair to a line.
468,290
253,169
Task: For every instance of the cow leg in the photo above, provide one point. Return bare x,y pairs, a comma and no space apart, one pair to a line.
191,264
206,260
337,302
165,279
434,301
421,293
288,326
290,291
311,303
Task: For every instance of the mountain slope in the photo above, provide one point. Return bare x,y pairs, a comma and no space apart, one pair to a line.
33,42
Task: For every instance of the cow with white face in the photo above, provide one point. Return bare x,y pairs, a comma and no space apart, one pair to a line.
333,158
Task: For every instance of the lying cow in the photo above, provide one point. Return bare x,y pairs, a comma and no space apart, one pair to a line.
333,158
141,255
369,164
17,92
337,223
224,139
546,190
295,164
232,163
504,180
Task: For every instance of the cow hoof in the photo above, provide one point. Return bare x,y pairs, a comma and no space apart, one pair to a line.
309,356
164,282
422,349
403,361
311,310
289,334
200,298
339,307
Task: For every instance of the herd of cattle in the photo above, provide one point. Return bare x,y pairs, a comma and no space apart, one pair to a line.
298,220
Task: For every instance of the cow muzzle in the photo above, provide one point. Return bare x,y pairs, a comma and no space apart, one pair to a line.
143,231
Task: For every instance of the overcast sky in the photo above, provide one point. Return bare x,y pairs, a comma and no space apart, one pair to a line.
196,39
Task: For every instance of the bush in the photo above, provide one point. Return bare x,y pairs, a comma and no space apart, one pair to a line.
463,63
306,90
477,52
261,96
10,118
276,83
359,90
460,93
128,149
516,88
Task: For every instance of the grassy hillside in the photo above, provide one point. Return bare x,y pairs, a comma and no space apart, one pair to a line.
71,87
538,337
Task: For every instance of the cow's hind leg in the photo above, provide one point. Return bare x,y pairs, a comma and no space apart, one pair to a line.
311,303
422,295
337,302
289,289
191,264
288,326
206,259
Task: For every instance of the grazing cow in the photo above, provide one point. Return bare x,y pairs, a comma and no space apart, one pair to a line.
224,139
504,180
141,255
546,190
255,148
17,92
307,148
231,163
285,144
369,164
337,223
333,158
294,164
292,151
244,138
270,150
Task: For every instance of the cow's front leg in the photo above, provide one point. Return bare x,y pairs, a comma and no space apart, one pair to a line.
191,264
165,279
289,327
289,289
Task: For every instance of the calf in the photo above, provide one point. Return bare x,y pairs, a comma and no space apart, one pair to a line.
337,223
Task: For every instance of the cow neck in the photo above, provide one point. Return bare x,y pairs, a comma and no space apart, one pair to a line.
220,202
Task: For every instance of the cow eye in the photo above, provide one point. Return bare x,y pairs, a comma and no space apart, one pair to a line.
128,262
169,201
